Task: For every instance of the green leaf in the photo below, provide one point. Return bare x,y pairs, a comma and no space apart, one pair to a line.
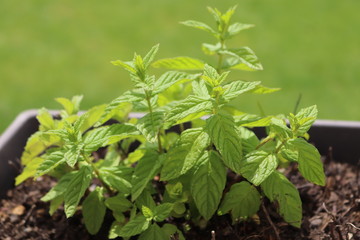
201,26
118,203
223,133
234,89
145,171
50,162
200,89
162,211
151,55
71,106
154,232
185,153
171,231
128,66
93,210
150,125
145,199
147,212
249,141
134,227
92,116
259,122
243,201
102,136
211,49
235,28
208,183
260,89
117,177
55,204
179,63
117,104
76,189
72,156
305,118
279,127
278,188
45,119
170,78
37,144
241,58
188,109
257,166
309,161
60,188
29,170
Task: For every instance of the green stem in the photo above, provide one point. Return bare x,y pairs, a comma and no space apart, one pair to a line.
264,141
221,57
151,111
97,173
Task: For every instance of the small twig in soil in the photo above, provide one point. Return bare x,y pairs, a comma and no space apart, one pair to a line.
277,235
23,222
336,221
352,225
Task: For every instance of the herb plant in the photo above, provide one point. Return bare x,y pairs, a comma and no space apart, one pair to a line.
145,174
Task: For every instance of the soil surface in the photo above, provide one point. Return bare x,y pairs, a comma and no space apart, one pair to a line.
330,212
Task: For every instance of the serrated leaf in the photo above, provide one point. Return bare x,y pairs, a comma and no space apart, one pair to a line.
118,203
234,89
306,117
258,122
278,188
50,162
92,116
162,211
170,78
310,165
211,49
241,58
200,25
154,232
134,227
55,204
72,156
150,124
279,127
257,166
249,141
260,89
208,183
211,72
191,106
128,66
117,104
147,212
29,170
45,119
76,189
185,153
60,188
235,28
179,63
243,201
222,131
93,210
145,199
200,89
151,55
145,170
36,145
117,177
102,136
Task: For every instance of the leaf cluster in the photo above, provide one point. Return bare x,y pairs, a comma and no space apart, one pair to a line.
145,174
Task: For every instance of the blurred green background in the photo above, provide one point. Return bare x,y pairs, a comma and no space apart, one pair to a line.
50,49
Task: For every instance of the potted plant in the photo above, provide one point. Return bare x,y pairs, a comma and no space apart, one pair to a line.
190,163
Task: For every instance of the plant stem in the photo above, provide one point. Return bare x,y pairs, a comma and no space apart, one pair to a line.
221,57
152,120
264,141
97,173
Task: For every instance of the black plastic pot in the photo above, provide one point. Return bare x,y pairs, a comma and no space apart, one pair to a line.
341,136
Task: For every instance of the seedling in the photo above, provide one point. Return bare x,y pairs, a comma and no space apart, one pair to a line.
146,175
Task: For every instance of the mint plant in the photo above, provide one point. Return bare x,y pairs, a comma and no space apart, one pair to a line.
146,175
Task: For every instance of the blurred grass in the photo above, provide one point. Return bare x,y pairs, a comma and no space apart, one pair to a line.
63,48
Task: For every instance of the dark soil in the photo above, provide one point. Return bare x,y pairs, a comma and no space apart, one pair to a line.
331,212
